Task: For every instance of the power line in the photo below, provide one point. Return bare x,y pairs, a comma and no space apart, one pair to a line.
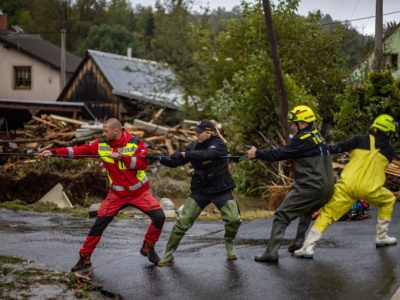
359,19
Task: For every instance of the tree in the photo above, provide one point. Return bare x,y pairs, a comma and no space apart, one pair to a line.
145,30
361,103
120,12
106,38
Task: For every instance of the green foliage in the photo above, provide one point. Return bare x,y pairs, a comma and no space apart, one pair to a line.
360,104
120,12
236,83
10,259
113,39
245,177
170,182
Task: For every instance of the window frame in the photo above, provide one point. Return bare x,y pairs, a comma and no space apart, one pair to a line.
392,59
23,82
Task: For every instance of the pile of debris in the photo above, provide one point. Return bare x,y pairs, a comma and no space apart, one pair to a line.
51,131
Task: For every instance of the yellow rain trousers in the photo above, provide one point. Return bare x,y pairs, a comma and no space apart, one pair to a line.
362,178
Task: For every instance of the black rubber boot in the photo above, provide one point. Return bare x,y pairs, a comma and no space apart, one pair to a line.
271,253
83,262
304,223
148,251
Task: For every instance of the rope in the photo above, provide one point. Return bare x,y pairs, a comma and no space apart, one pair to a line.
93,156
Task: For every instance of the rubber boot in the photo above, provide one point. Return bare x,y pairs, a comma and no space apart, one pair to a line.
189,214
381,238
275,241
304,223
83,262
230,214
307,251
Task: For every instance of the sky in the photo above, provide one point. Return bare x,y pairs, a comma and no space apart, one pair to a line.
337,9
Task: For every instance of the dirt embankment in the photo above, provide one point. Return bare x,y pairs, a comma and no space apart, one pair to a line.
29,184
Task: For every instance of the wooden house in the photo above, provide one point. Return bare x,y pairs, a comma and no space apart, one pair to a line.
118,86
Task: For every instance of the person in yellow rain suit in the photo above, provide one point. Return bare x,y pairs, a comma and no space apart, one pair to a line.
363,177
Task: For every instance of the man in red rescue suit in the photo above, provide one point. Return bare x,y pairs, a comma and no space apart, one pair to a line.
313,175
362,178
123,156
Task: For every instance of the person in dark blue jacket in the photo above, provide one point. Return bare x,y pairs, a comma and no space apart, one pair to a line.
313,175
211,183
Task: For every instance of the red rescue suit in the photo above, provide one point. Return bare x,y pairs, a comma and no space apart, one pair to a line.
128,185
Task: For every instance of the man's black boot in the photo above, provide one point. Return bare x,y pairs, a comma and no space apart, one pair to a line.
83,262
271,253
148,250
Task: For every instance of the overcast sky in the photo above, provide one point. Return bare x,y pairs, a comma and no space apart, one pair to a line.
337,9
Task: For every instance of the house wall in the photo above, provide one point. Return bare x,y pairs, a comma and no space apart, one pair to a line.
45,80
390,45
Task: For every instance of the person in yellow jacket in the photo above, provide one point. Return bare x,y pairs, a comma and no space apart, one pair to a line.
363,177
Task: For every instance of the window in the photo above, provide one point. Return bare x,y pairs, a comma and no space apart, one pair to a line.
392,60
22,78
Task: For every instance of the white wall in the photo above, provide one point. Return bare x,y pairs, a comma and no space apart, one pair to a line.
45,80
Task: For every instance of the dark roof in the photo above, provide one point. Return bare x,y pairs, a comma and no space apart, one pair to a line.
139,79
39,49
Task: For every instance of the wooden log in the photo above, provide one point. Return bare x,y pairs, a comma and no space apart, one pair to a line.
151,127
48,146
69,120
396,162
397,174
62,134
154,138
45,122
184,131
169,146
337,166
156,116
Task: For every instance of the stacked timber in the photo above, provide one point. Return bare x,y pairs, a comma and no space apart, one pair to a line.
51,131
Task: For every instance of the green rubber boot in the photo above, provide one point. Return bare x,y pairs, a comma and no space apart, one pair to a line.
189,214
304,223
230,214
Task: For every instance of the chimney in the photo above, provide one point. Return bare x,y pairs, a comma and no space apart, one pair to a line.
3,21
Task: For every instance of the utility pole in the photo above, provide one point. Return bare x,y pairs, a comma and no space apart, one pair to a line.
62,67
283,104
379,59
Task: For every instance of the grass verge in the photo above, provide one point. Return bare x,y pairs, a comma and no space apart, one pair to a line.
22,279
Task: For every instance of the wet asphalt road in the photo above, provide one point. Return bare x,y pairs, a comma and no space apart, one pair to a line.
346,264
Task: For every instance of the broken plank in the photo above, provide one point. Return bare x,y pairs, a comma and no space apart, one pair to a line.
45,122
69,120
155,137
151,127
169,146
156,116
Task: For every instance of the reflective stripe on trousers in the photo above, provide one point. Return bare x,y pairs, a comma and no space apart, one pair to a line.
120,188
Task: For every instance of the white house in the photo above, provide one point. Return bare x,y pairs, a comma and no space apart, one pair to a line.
30,67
